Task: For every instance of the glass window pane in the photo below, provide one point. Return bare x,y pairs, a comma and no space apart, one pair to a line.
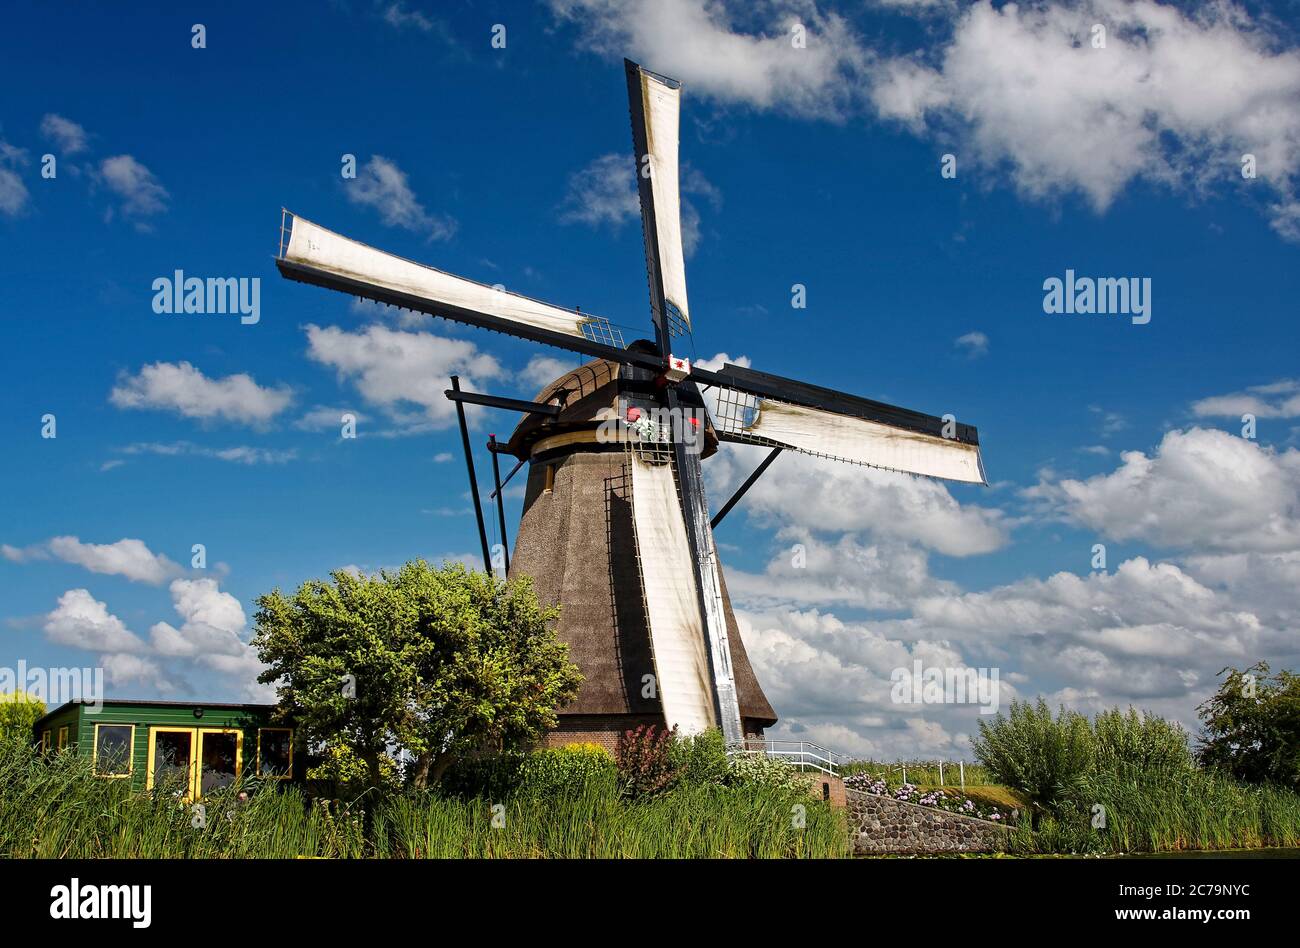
171,760
113,749
276,754
220,761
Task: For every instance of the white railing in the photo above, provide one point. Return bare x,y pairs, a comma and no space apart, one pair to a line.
804,755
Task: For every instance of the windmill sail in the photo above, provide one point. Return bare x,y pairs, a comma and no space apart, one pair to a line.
656,106
738,416
672,606
323,251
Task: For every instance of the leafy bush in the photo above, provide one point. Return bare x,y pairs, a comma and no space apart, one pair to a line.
567,770
763,771
645,760
701,759
1131,743
18,712
1043,757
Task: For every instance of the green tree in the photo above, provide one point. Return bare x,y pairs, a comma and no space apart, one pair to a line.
18,712
1252,726
1047,760
436,662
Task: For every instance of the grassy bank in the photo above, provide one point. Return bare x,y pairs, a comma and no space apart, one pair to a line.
55,808
1197,810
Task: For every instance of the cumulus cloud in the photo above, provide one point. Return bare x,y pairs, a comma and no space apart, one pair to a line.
181,388
65,133
212,622
383,187
395,370
81,621
733,53
127,557
1176,96
821,495
542,370
846,572
1201,489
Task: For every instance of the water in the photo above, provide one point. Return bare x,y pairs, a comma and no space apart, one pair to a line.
1271,853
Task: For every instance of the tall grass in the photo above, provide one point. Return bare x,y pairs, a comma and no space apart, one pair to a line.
56,808
1125,782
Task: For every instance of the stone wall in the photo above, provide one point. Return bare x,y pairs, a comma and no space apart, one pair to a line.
883,825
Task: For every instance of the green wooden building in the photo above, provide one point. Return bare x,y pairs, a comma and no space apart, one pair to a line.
197,747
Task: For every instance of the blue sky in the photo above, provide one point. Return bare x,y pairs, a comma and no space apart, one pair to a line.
818,166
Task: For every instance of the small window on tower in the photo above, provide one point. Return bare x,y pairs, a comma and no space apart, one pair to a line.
550,477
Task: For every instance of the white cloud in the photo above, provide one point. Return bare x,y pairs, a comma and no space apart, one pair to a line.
13,193
604,194
140,192
821,495
129,558
1201,490
213,622
123,669
65,133
181,388
732,53
975,344
542,370
383,186
1175,97
324,418
238,454
394,369
807,571
81,621
399,16
1279,399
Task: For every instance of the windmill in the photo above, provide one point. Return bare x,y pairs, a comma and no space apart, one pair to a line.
616,528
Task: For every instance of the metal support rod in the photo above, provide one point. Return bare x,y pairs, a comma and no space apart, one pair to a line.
501,507
473,481
509,404
735,498
513,471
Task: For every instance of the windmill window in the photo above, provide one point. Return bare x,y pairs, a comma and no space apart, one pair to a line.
550,478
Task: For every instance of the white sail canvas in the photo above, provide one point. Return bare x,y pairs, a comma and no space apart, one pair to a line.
668,572
314,246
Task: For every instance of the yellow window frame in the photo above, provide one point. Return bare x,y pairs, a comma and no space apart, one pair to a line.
153,744
45,741
130,755
196,734
63,737
258,771
198,757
